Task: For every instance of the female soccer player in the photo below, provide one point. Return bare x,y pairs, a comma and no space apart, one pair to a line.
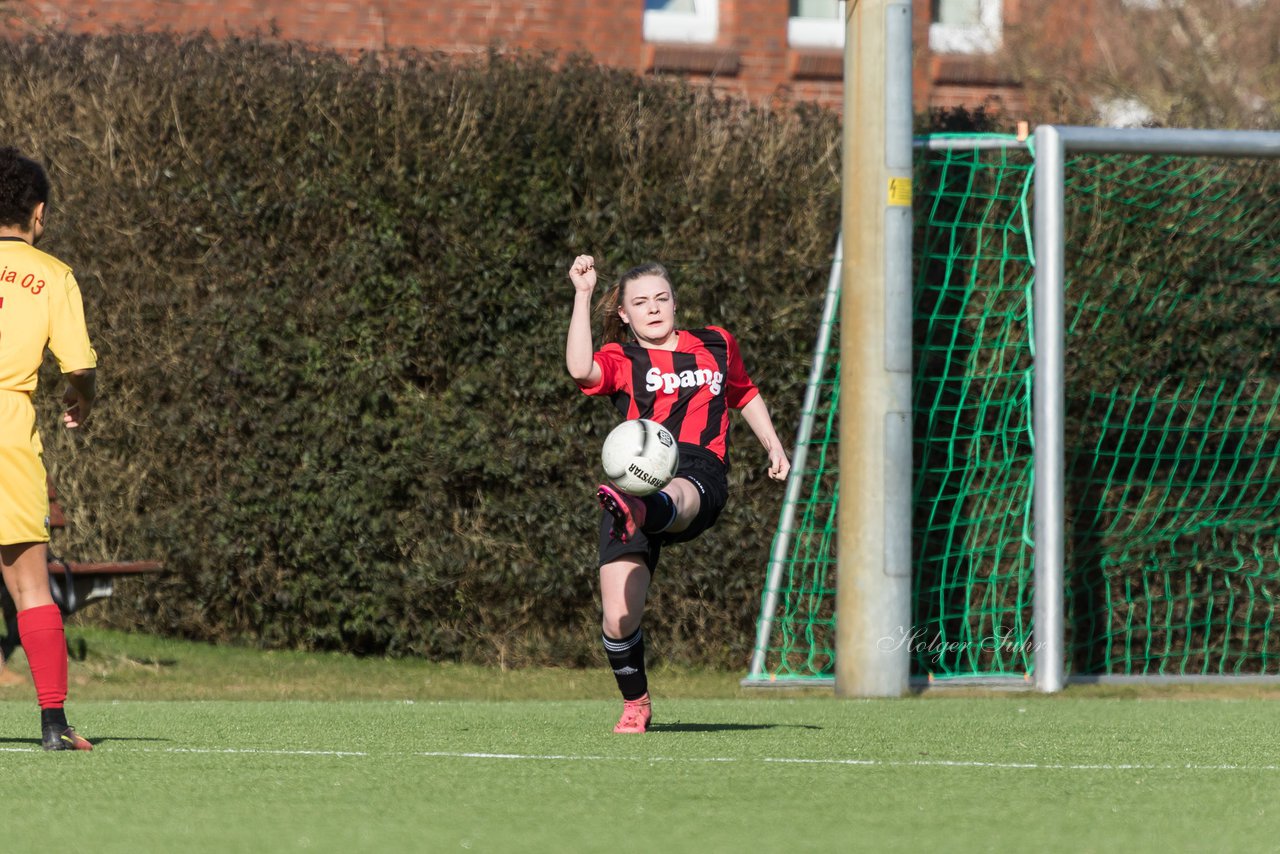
687,380
39,306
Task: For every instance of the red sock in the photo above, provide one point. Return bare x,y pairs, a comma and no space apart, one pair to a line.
45,643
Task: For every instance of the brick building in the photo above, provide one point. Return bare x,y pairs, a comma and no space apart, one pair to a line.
763,50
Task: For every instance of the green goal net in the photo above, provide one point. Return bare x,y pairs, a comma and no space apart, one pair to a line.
1172,557
1172,387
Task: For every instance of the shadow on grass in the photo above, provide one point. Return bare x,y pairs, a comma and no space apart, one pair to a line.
682,727
96,740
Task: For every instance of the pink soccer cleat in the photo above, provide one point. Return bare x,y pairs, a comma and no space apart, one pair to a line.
55,737
628,512
636,715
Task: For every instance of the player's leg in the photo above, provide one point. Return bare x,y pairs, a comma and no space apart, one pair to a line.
670,509
26,575
24,563
24,511
699,494
624,587
686,500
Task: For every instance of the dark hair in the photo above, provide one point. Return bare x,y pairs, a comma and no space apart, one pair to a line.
615,331
23,185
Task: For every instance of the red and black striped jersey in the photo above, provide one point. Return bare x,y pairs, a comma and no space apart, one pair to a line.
689,390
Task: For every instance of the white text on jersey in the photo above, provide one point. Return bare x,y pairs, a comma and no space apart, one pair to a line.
655,379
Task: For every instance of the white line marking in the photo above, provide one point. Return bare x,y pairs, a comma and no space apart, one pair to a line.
772,760
553,756
570,758
872,763
1032,766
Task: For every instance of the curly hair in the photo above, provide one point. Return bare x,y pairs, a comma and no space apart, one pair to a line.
23,185
615,331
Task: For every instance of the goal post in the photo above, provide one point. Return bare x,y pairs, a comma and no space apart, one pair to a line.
1052,145
820,402
1096,419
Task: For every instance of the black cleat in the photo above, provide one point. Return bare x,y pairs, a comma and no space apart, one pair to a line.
63,738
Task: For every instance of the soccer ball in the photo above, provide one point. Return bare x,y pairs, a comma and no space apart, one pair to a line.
640,456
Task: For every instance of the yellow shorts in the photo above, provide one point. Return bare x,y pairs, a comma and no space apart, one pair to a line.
24,490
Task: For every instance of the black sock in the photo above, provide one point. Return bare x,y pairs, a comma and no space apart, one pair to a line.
626,657
53,717
659,513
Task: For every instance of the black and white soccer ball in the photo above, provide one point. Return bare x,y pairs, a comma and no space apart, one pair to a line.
640,456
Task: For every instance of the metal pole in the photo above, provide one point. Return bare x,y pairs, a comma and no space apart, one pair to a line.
1048,409
873,593
782,543
1177,141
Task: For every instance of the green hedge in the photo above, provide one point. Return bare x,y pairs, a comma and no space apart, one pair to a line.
330,301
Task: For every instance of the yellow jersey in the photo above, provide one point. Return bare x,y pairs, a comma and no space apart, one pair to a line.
40,306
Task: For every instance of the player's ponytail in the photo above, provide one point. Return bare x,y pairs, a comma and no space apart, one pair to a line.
23,185
615,331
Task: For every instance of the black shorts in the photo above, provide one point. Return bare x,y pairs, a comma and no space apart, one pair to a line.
705,471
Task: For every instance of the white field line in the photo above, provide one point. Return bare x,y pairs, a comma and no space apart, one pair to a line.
865,763
569,757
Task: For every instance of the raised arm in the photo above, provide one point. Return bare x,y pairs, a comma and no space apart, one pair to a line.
578,349
757,415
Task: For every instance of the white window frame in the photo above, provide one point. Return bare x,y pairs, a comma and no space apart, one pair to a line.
1123,113
700,27
816,32
985,37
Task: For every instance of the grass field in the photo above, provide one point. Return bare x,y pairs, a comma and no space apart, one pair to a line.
205,749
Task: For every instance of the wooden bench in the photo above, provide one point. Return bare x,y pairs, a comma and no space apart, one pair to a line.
75,584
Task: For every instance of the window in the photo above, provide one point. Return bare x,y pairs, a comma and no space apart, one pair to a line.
816,23
681,20
965,26
1124,113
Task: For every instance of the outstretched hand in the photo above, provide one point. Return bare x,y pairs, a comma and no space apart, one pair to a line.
583,273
